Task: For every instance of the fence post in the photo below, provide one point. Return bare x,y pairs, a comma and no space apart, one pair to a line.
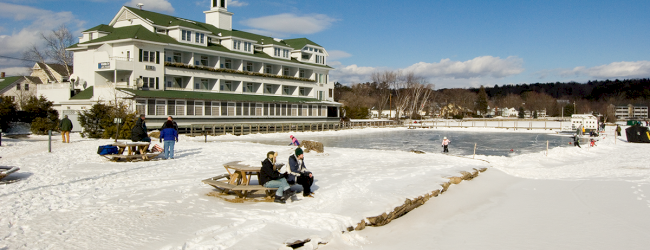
49,141
474,151
546,148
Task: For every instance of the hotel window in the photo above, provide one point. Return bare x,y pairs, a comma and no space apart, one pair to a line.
215,109
323,111
331,93
286,71
314,110
268,89
246,107
190,107
306,56
171,109
285,53
294,110
208,109
140,106
249,66
302,91
311,49
321,78
249,87
320,95
258,109
180,108
231,109
198,108
271,109
305,110
283,110
276,51
248,46
302,73
268,69
226,86
228,63
286,90
160,107
26,86
197,85
239,108
204,60
177,57
18,86
317,59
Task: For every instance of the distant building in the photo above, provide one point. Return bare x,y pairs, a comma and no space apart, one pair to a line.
386,113
19,88
590,122
631,111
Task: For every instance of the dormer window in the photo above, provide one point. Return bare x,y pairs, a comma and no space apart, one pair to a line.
91,36
186,35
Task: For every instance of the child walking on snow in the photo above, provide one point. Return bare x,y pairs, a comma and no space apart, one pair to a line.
445,143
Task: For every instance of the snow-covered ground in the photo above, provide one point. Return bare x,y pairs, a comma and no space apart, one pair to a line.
589,198
74,199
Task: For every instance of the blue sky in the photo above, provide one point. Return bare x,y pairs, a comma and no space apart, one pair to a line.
450,43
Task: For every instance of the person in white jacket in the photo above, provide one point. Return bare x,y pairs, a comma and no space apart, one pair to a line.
445,144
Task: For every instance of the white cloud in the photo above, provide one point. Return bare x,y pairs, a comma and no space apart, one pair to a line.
638,69
39,21
290,23
337,54
153,5
235,3
483,66
444,74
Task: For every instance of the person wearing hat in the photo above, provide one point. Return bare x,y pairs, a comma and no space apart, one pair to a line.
445,143
270,177
65,126
298,173
294,141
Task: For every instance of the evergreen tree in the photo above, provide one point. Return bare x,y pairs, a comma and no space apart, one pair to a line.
482,101
535,114
41,115
521,112
7,112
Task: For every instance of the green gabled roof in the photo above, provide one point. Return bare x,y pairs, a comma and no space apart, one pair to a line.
7,81
134,32
191,95
101,27
299,43
166,20
84,95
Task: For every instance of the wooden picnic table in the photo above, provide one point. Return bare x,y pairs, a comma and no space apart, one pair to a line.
130,148
238,180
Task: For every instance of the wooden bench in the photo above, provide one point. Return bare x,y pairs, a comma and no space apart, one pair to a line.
238,183
140,147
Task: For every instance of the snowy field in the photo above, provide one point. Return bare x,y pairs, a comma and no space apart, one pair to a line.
74,199
588,198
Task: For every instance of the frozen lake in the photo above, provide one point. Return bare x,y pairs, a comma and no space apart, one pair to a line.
429,140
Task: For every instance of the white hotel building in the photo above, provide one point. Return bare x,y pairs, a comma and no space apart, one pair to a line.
201,73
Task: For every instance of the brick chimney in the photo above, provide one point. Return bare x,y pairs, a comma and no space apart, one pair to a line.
2,74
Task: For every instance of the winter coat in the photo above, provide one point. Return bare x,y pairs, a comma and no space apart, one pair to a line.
267,173
296,168
169,134
139,131
445,142
175,126
65,125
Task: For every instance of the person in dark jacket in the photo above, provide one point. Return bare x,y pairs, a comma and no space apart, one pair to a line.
170,118
170,135
576,141
298,173
65,126
270,177
139,131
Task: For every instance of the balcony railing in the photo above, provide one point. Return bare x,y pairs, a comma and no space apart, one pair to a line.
232,71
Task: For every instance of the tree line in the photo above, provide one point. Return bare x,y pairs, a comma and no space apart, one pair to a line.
411,95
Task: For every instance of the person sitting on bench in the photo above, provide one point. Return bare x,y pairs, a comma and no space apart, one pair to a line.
270,177
298,173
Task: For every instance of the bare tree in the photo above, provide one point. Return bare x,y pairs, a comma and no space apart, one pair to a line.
55,48
383,80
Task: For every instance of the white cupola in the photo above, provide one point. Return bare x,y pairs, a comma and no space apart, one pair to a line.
218,15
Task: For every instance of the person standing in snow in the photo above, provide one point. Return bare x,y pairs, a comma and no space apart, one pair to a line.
65,126
170,118
618,130
270,177
294,141
298,173
576,141
171,137
139,132
445,144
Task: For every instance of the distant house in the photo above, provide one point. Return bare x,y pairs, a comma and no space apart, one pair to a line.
588,121
386,113
52,73
18,88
